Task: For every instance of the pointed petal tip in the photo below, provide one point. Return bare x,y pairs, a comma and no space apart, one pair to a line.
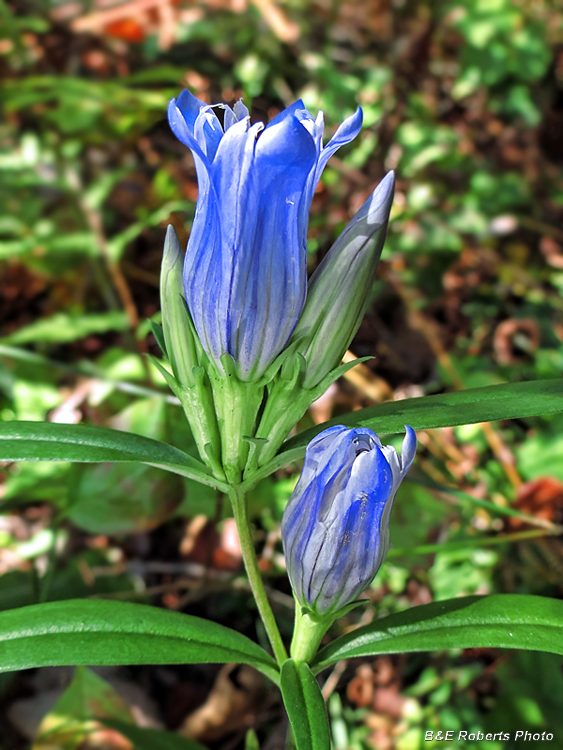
171,109
171,235
381,200
351,126
186,98
387,184
172,252
408,449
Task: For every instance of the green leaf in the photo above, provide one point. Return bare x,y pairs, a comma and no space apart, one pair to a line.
63,328
98,632
101,500
69,722
305,706
47,441
488,404
151,739
251,741
534,623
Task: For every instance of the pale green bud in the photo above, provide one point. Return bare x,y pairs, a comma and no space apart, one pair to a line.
339,290
178,336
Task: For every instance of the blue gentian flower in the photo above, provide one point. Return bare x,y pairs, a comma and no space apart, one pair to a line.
245,274
335,528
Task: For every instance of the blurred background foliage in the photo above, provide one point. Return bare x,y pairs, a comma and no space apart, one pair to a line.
464,99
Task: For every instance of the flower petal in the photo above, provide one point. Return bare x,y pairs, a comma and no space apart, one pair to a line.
408,449
270,269
201,121
181,130
346,132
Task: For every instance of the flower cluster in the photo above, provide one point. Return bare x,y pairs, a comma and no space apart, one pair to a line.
255,321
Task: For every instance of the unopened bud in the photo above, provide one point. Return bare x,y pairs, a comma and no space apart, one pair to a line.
339,290
335,528
180,345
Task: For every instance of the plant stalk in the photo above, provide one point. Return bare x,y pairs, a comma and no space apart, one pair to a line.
308,633
240,508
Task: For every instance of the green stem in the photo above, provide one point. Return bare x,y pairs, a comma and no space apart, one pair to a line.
240,508
308,633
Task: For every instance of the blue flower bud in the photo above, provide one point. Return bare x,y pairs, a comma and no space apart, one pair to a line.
245,274
335,528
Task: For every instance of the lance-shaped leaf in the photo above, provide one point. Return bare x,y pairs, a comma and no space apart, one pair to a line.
97,632
305,706
48,441
486,404
533,623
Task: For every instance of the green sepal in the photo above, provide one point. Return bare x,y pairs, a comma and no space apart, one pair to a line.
213,460
229,365
283,360
333,615
293,371
287,402
197,403
338,372
255,445
171,381
348,608
158,333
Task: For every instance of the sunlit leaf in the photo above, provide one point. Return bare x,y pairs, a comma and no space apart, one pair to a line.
498,621
47,441
98,632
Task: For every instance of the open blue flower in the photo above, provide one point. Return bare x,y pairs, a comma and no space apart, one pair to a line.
245,274
335,528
